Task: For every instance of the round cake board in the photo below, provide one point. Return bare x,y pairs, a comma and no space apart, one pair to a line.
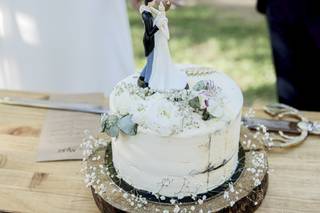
245,194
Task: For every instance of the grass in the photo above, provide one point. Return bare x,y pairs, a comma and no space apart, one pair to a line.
231,40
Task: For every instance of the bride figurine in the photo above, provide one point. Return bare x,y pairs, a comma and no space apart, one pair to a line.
165,75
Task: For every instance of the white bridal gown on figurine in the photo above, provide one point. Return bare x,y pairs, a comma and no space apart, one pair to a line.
67,46
165,75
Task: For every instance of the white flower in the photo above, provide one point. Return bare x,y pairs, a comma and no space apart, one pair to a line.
200,202
226,195
257,182
122,102
231,187
160,115
176,209
138,112
215,107
125,195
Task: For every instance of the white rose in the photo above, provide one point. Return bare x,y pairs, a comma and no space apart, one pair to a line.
122,102
138,112
215,107
162,116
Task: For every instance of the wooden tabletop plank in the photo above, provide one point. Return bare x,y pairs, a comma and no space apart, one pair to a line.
29,201
294,183
43,182
28,186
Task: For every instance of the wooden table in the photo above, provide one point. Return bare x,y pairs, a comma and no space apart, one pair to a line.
27,186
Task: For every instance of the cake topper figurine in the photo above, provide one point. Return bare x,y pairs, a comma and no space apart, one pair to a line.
148,41
160,73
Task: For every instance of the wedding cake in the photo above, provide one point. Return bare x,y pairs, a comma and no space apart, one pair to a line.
175,129
176,143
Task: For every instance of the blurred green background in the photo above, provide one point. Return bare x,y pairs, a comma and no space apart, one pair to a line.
226,35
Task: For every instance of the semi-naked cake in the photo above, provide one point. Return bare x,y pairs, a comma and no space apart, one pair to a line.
176,143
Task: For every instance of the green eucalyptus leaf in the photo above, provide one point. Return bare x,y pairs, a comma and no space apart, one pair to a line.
127,126
200,85
195,103
110,125
103,122
113,131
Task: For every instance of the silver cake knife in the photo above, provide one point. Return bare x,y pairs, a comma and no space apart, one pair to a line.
57,105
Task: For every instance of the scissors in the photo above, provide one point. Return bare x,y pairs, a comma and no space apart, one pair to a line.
288,127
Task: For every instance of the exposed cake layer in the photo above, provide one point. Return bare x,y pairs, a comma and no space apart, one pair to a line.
178,167
178,151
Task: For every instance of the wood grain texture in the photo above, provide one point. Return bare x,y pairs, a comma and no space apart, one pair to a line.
27,186
294,183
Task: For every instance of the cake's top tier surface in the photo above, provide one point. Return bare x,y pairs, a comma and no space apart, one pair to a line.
212,101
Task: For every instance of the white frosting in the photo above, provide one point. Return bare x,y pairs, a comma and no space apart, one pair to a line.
176,165
145,161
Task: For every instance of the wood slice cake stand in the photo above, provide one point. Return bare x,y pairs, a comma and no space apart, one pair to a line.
244,192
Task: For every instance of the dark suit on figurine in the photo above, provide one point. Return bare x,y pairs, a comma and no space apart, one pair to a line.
148,42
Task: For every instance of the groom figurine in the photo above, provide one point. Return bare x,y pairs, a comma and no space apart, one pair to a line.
148,42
